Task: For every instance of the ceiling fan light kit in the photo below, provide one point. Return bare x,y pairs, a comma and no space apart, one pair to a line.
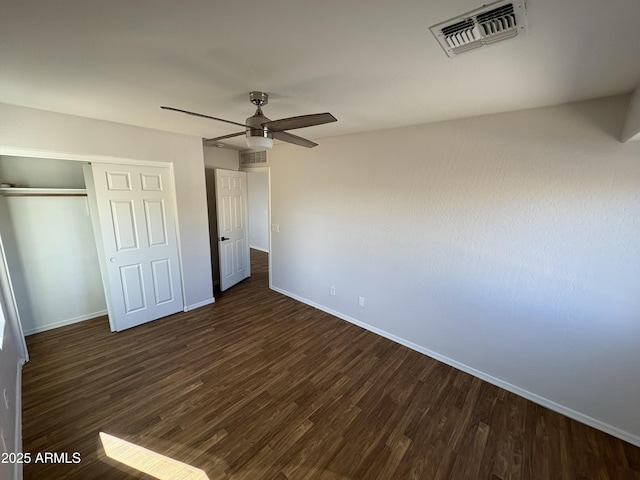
260,131
255,142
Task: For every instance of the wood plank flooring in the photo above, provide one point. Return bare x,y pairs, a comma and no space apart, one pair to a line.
259,386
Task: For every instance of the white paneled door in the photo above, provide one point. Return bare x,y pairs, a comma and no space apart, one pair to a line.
135,209
233,234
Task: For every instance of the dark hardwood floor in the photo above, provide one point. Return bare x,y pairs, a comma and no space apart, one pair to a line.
259,386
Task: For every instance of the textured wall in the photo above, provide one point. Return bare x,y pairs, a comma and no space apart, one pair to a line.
507,244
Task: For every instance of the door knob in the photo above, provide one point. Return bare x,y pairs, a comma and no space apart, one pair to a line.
222,239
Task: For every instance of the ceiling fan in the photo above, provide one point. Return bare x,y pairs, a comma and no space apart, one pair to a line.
260,131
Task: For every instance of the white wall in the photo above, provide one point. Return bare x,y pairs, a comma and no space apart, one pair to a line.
38,130
507,245
258,199
58,261
221,158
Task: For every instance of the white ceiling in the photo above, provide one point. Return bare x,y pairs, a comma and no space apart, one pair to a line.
373,64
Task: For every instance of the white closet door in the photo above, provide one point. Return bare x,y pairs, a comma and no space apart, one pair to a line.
138,235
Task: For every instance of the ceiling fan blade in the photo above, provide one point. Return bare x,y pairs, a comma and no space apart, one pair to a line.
301,121
208,142
287,137
201,115
231,135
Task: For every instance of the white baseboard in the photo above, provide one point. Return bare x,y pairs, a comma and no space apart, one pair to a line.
259,249
188,308
63,323
568,412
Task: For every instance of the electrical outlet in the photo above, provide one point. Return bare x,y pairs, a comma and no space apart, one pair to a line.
361,301
275,227
333,291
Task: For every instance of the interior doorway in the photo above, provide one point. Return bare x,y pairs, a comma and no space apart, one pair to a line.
258,215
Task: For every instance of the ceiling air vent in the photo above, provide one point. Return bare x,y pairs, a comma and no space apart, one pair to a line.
484,26
253,159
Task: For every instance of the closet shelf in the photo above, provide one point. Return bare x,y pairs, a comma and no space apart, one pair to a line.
43,192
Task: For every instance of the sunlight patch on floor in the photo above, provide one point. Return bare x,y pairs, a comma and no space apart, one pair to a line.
147,461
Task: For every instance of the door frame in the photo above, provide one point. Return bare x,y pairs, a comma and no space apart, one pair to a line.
13,331
269,225
89,158
12,327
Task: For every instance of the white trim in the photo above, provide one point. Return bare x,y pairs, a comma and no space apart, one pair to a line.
176,219
259,249
87,171
269,235
13,325
62,323
17,447
257,168
188,308
556,407
78,157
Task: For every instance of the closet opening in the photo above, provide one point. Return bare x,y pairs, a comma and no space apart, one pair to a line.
49,241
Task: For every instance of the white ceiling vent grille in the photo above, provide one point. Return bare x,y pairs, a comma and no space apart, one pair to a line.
489,24
253,159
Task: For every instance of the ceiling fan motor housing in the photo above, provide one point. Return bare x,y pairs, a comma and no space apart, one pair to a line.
255,122
257,119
